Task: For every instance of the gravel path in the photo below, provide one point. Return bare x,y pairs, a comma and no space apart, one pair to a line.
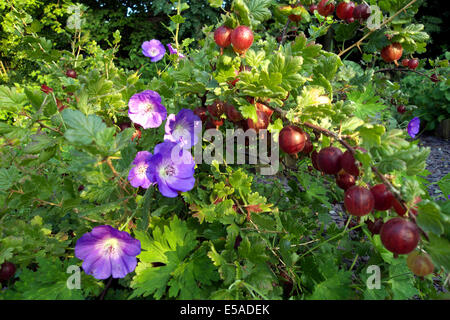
438,162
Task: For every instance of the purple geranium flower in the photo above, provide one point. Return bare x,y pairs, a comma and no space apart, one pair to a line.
180,128
172,168
153,49
107,252
145,108
172,50
138,174
414,127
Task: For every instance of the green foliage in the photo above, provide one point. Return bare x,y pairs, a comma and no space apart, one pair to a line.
366,103
187,272
237,234
432,99
47,283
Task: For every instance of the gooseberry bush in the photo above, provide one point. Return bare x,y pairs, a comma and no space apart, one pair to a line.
88,180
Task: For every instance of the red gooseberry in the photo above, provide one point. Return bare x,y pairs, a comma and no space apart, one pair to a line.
399,235
358,201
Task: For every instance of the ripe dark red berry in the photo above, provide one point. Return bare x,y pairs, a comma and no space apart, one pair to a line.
350,20
405,62
46,89
345,180
420,263
326,7
71,73
295,17
362,12
392,52
217,108
262,107
308,145
262,123
375,226
314,156
348,162
292,139
399,235
237,242
232,113
124,125
401,109
413,64
344,10
201,113
312,8
329,160
383,197
209,124
358,201
222,36
434,78
398,207
7,271
242,38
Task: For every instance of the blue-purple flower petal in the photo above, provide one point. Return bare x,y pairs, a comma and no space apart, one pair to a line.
181,184
180,128
145,109
172,50
153,49
138,174
414,127
107,252
142,156
165,190
172,172
122,265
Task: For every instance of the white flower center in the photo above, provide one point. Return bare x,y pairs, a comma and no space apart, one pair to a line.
111,247
148,107
153,52
168,170
142,170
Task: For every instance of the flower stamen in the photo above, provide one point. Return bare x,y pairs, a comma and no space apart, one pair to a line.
111,247
142,170
169,170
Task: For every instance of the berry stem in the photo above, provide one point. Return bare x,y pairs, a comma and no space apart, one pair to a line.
102,296
402,70
283,34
